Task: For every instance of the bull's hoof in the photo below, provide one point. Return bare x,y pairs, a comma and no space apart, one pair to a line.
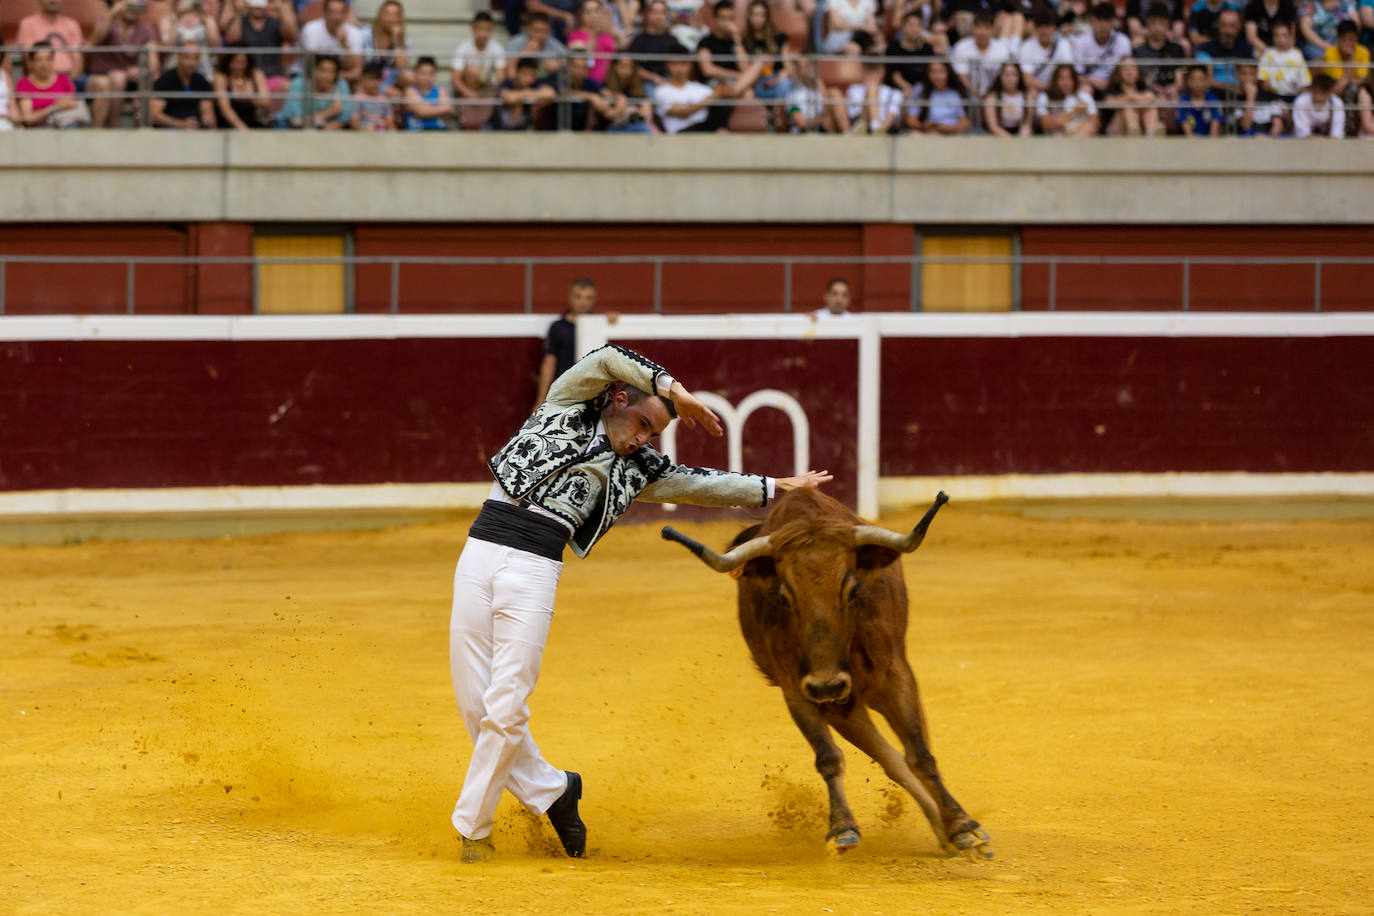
972,844
843,841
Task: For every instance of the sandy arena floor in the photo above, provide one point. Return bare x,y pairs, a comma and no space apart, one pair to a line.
1147,718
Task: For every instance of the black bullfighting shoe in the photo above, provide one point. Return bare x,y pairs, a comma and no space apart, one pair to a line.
563,815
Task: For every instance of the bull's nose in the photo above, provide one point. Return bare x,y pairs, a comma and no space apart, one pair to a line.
826,689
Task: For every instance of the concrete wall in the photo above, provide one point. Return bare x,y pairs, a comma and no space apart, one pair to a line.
475,177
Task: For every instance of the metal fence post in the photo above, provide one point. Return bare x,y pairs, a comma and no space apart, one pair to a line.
1053,264
1316,286
1186,283
145,86
129,286
529,287
308,91
786,285
561,86
658,286
395,287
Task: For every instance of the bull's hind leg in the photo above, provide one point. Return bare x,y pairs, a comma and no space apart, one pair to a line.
844,832
901,706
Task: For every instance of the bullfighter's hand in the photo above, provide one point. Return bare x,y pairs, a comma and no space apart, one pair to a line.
691,411
809,479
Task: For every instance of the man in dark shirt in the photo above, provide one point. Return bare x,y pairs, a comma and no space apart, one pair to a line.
907,68
654,40
1226,47
266,24
560,345
1165,79
720,54
181,96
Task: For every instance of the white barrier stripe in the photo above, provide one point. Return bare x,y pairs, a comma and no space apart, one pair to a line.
243,500
901,492
693,327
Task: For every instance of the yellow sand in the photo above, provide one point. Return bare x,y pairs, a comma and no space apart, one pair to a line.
1159,717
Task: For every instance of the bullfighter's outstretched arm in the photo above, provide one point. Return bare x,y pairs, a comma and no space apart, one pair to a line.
611,363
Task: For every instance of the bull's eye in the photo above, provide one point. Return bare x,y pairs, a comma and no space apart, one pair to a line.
785,593
849,589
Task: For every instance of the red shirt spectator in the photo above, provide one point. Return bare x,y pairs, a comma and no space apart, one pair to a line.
42,91
61,32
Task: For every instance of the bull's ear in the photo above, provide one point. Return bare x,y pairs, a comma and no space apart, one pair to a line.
872,556
758,568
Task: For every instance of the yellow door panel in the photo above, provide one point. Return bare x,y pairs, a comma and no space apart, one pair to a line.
293,289
966,287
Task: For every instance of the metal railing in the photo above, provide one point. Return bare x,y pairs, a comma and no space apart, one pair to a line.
786,265
1231,102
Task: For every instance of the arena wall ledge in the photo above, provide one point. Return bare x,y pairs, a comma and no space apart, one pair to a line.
299,177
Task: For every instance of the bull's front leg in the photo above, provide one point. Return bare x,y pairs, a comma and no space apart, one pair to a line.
843,834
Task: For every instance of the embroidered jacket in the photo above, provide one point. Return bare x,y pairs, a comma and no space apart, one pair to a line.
547,463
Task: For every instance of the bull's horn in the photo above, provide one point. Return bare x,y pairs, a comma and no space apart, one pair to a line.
750,549
904,543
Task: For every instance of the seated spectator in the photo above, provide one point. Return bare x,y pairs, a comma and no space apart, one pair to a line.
624,14
812,106
928,12
847,19
594,33
1319,21
1009,25
9,108
241,96
721,57
1097,51
683,104
62,34
1224,50
1204,17
1318,111
333,35
181,95
1131,105
767,47
479,64
655,39
266,25
329,108
1282,67
1067,107
978,58
47,98
372,107
940,104
1164,79
1261,112
586,107
1199,112
1364,99
190,23
427,105
1043,52
386,42
1175,17
113,72
562,16
630,111
1348,62
908,56
1074,18
873,106
1260,16
524,98
538,44
1007,109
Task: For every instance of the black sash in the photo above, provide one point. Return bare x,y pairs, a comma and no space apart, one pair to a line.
511,526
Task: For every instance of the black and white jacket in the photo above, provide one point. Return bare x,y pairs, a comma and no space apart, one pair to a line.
547,463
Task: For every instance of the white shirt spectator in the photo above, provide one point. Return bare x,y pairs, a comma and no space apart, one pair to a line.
489,60
1038,62
889,101
1284,71
1044,106
1096,61
807,102
1309,119
666,96
978,68
854,13
315,37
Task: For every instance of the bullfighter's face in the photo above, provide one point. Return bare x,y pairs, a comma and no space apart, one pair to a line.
630,426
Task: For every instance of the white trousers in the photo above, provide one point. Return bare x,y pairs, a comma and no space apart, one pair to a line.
502,610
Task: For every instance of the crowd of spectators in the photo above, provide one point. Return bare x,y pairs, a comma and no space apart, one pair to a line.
945,67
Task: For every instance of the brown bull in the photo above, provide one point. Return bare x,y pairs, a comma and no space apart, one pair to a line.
823,607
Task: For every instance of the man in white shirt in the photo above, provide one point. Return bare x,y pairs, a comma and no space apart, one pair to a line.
1319,112
1041,54
836,300
335,35
1097,50
683,105
979,57
479,62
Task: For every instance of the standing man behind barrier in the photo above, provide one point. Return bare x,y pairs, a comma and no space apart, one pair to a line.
560,344
573,468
